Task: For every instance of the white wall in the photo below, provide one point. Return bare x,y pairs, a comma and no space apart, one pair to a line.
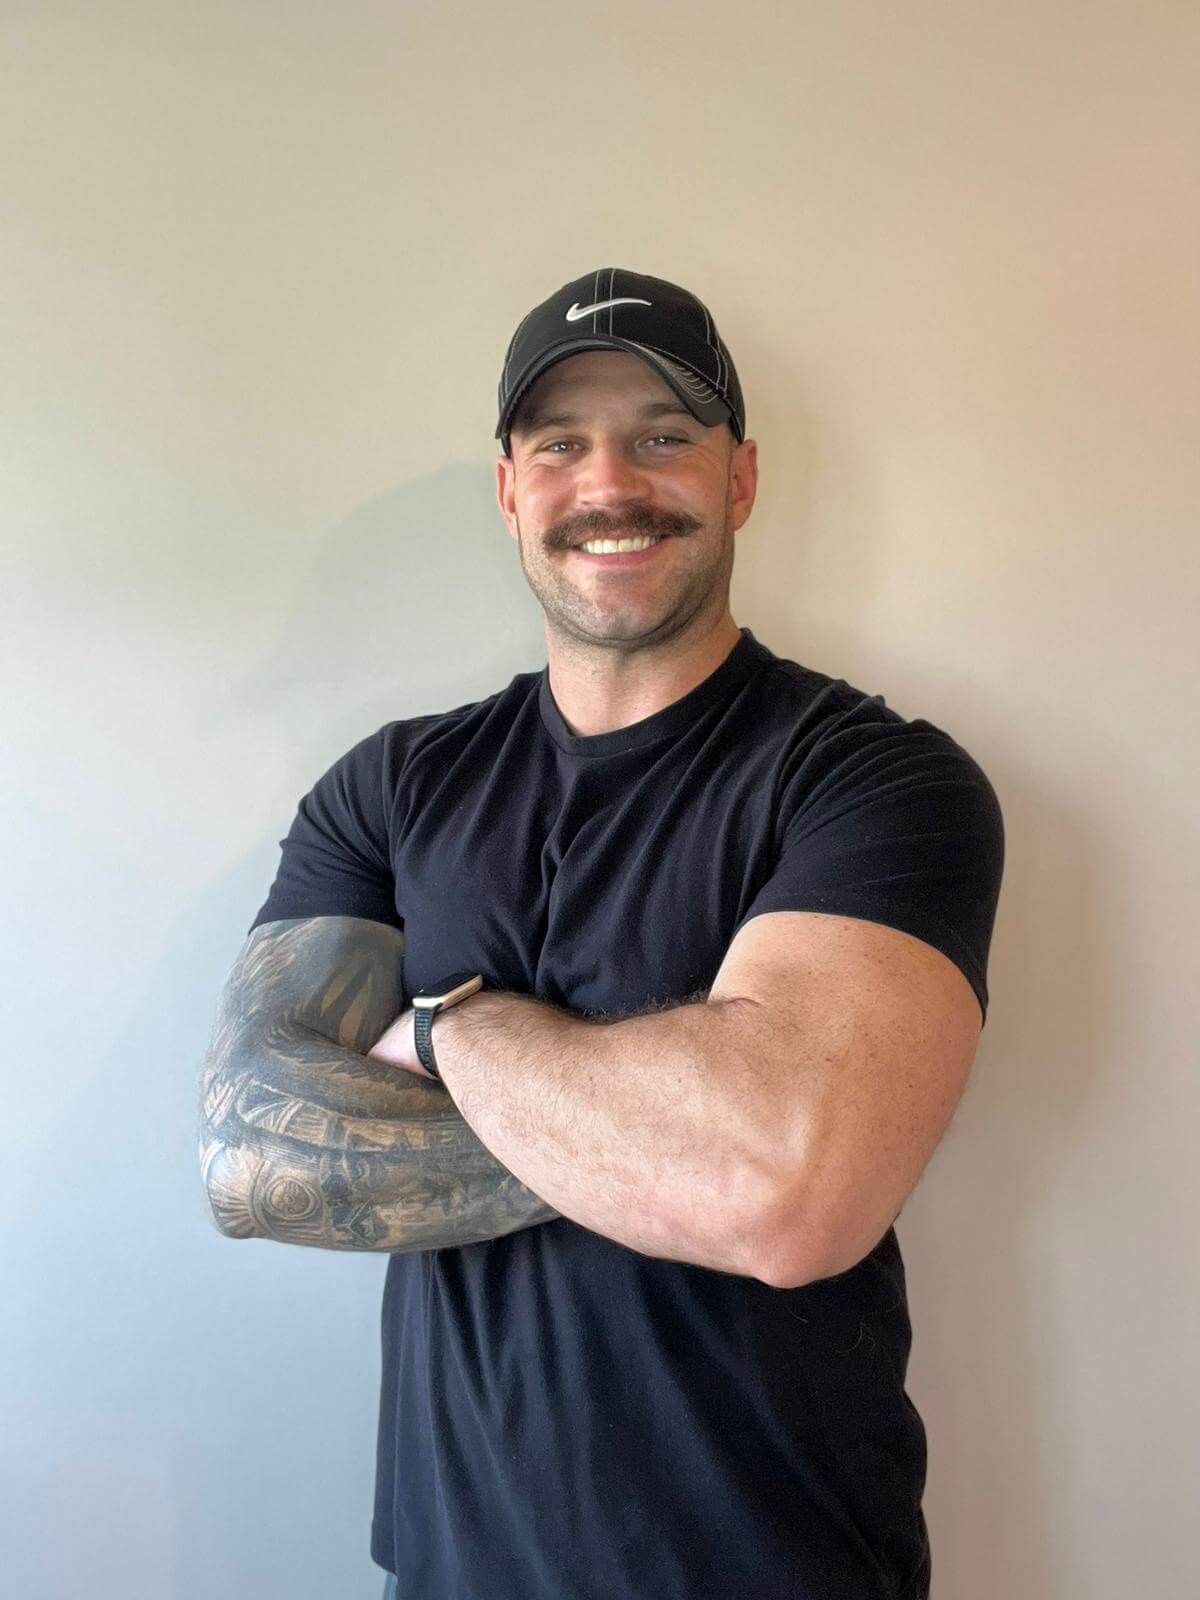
260,267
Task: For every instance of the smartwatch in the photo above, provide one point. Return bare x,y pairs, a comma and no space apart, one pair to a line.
426,1004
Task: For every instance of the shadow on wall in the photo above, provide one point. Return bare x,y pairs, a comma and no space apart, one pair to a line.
415,603
199,1412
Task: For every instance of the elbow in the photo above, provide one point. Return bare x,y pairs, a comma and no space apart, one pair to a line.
785,1268
793,1249
221,1224
225,1194
227,1225
794,1256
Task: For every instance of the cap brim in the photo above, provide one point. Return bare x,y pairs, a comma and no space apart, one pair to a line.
696,393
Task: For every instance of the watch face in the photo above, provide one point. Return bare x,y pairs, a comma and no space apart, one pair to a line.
447,990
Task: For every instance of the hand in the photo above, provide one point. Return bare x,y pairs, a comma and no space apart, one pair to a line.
397,1046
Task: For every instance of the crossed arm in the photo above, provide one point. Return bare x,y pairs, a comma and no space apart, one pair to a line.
774,1130
305,1139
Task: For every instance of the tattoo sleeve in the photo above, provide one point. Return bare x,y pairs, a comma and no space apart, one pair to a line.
305,1139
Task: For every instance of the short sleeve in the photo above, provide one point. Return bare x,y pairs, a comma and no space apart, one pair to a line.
336,859
894,822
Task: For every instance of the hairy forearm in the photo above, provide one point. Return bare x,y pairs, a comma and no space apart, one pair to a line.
648,1129
305,1139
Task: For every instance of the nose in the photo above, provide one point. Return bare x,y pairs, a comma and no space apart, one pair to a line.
608,477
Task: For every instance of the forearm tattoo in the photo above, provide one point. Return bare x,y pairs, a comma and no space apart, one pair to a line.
305,1139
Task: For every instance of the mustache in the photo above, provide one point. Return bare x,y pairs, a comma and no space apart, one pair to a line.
637,520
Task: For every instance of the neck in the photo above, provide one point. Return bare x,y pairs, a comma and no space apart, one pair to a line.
600,689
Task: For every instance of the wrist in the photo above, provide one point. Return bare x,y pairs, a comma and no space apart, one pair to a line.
392,1045
430,1005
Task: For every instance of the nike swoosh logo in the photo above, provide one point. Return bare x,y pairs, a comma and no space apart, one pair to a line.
577,311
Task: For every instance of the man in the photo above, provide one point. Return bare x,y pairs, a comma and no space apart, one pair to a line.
697,939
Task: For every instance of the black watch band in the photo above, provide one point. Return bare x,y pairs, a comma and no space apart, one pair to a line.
426,1004
423,1038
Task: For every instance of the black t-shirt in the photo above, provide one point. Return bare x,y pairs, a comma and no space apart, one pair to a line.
562,1417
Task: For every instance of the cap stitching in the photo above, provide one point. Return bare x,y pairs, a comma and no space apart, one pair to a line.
714,341
701,377
708,335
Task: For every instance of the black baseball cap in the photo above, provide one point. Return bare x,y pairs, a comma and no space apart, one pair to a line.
614,309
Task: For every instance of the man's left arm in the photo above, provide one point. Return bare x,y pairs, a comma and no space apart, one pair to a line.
773,1129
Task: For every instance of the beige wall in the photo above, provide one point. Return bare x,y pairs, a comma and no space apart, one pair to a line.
260,266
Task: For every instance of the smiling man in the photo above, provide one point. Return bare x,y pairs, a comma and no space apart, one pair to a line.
624,1008
625,506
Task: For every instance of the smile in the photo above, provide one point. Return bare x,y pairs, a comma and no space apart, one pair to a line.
612,546
620,552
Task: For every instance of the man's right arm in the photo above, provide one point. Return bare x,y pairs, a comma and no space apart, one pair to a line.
306,1139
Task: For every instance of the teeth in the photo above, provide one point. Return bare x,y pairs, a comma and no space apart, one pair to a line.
606,547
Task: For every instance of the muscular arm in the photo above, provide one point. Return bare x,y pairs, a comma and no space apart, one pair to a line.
305,1139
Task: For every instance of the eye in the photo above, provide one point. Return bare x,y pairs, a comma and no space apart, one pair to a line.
560,446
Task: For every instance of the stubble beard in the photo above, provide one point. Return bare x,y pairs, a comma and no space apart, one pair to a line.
569,614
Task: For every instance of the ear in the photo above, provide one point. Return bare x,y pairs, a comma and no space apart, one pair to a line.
743,480
506,475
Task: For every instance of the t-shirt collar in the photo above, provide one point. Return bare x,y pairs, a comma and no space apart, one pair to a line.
741,662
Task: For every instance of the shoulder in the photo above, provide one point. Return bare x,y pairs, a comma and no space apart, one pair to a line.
834,720
388,749
843,753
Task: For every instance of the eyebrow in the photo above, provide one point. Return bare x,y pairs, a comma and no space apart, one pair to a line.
567,419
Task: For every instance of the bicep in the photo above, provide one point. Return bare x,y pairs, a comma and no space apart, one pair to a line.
871,1037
